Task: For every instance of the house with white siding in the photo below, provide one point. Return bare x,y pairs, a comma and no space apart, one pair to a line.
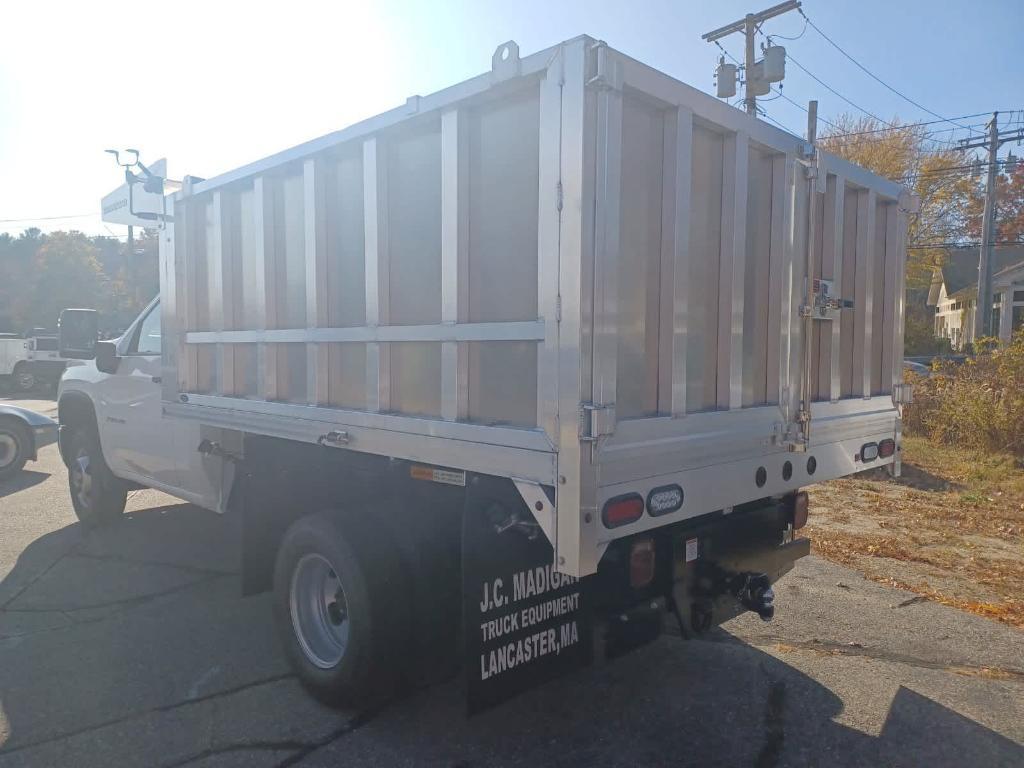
954,291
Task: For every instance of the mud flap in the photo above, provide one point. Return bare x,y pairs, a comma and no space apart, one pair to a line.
523,622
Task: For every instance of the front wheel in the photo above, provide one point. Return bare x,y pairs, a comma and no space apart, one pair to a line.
97,496
14,442
337,612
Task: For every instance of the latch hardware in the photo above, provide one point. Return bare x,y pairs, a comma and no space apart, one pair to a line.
335,437
825,305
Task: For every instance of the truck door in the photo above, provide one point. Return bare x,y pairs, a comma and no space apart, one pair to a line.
138,440
134,442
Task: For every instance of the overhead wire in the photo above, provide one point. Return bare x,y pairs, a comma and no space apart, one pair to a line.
834,91
872,74
49,218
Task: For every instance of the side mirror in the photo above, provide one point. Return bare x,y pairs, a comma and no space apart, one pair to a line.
77,330
106,356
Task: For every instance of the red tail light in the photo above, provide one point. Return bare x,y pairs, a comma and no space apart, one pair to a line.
641,563
886,448
622,510
800,506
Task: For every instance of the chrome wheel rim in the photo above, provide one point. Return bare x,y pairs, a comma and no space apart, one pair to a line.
8,450
80,473
319,611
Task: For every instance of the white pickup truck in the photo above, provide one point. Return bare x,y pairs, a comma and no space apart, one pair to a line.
515,372
113,434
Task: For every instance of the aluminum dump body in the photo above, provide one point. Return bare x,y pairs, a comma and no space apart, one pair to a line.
573,271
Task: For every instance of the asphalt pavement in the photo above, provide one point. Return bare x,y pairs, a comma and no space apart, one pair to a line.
131,646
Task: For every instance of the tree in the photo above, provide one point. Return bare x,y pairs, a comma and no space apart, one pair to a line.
906,154
42,274
1009,210
66,273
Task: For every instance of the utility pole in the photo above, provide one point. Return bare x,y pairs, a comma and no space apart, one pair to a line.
992,142
749,25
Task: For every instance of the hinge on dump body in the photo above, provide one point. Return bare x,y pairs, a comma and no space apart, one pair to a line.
558,195
596,421
790,435
824,305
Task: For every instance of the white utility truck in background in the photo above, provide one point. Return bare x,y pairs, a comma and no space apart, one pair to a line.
31,361
44,365
13,354
510,374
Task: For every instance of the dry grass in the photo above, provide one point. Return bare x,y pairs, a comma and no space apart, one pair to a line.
951,529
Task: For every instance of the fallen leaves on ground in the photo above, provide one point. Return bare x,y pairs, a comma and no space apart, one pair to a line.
950,529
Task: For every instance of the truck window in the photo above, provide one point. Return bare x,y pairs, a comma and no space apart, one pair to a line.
147,339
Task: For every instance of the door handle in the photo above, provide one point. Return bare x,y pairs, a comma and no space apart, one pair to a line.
157,379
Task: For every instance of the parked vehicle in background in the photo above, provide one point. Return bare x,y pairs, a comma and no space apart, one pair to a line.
535,358
919,368
22,434
44,365
13,356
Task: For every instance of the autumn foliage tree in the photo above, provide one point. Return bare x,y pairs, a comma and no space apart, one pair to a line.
905,153
1009,210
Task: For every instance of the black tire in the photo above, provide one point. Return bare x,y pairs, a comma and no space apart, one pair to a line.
24,379
14,448
371,603
97,496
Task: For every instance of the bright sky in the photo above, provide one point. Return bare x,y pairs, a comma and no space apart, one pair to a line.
212,85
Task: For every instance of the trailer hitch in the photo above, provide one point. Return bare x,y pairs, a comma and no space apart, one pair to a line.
753,590
755,593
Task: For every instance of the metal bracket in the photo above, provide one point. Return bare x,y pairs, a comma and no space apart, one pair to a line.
910,203
334,438
543,511
608,72
824,306
505,62
903,394
596,421
213,448
789,435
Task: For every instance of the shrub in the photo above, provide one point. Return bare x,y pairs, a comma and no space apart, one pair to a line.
977,404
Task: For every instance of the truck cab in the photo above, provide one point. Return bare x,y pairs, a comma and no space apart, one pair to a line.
113,436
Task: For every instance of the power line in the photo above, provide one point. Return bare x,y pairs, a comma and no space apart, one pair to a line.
801,106
786,128
931,246
49,218
833,90
783,37
914,125
872,74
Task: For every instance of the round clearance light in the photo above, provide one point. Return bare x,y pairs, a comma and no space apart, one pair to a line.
787,470
812,465
869,452
663,500
760,477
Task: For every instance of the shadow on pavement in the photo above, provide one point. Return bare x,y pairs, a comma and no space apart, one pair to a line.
717,701
128,632
24,479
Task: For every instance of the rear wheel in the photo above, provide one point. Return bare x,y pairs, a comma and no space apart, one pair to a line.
97,496
337,612
14,447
